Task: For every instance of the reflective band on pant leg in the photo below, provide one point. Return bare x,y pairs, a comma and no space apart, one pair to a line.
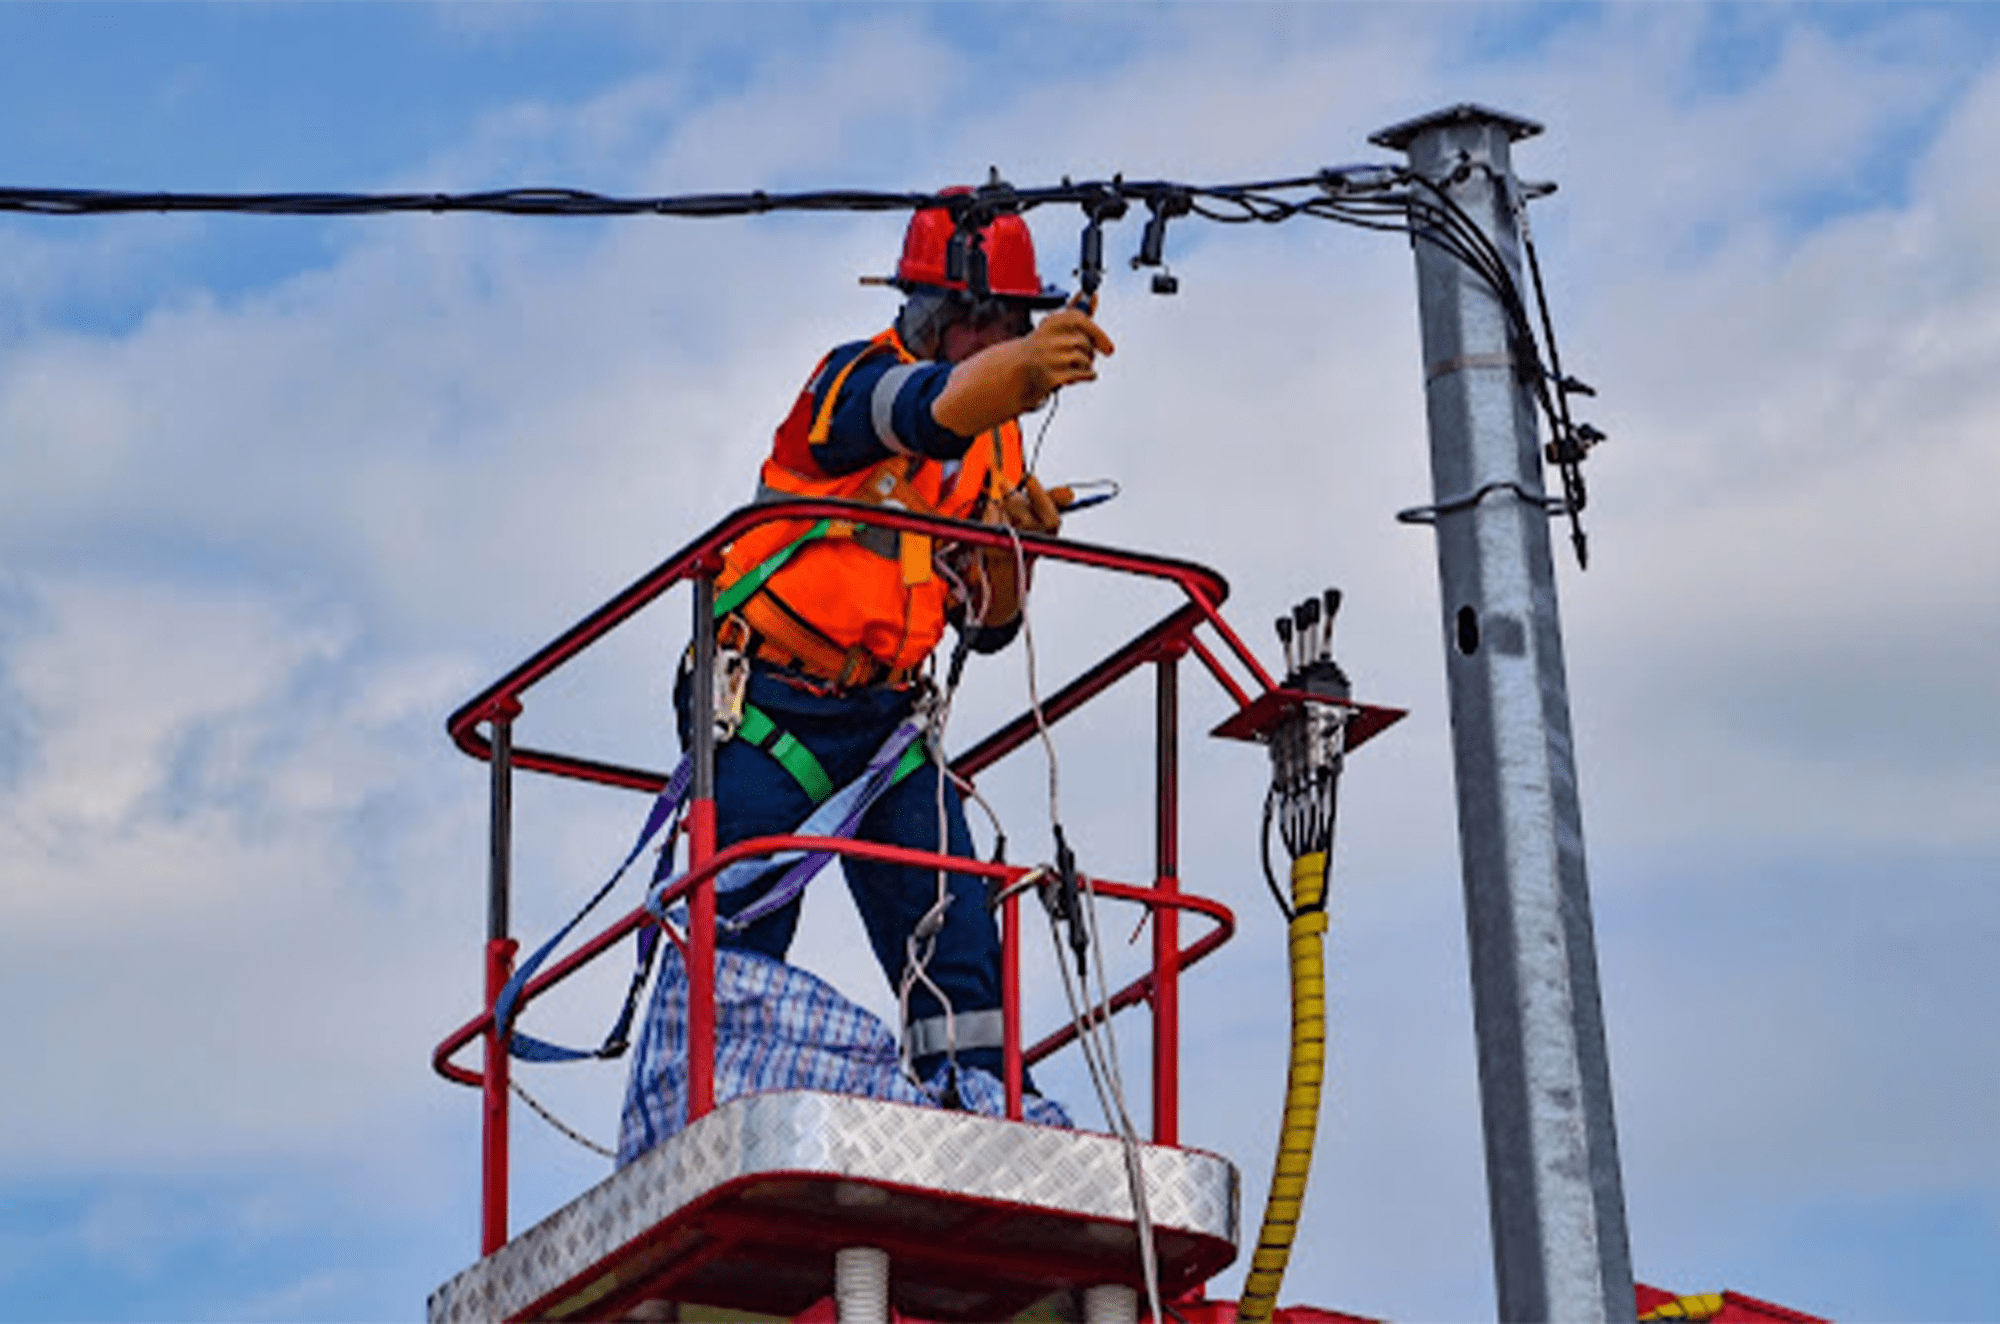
975,1029
1110,1303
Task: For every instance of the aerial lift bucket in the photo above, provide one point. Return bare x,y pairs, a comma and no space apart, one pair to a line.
791,1203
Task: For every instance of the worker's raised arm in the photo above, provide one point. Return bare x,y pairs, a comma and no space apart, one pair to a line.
1006,380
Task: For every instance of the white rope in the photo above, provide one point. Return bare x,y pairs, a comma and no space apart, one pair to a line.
1034,689
1100,1059
974,611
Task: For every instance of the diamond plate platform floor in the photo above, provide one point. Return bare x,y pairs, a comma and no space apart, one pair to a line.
982,1219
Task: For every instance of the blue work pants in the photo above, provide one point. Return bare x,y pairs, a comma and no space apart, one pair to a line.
756,796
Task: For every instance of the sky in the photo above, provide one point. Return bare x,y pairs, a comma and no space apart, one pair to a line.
276,495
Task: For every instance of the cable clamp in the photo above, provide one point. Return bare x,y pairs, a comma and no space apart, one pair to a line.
1550,506
1061,896
1367,177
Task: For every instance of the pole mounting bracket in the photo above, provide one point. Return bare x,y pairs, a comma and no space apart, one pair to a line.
1550,506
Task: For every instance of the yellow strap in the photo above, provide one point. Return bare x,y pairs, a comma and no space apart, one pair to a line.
916,558
823,421
913,550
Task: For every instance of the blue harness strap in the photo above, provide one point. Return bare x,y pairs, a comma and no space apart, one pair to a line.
667,805
839,814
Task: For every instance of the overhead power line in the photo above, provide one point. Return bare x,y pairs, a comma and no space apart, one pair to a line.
1381,197
1268,200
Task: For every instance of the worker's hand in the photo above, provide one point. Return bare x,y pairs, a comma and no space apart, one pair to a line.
992,574
1031,509
1062,349
1006,380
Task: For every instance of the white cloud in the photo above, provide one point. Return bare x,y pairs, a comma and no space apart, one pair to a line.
212,782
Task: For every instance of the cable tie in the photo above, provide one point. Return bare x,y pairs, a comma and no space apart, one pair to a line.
1445,367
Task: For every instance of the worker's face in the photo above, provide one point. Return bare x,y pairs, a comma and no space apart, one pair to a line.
988,325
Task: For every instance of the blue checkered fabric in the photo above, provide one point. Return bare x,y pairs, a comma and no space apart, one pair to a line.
779,1028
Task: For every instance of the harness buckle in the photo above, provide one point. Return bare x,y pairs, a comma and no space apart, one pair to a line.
732,683
926,701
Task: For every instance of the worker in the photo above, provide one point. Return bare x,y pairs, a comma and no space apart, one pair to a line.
838,622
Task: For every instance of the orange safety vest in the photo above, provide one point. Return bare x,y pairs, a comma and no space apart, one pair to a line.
859,603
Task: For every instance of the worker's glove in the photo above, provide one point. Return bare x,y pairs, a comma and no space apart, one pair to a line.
993,574
1032,509
1006,380
1062,349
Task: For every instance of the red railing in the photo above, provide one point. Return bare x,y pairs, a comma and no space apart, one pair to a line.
1162,645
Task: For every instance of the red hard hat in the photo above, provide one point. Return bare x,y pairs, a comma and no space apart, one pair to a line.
1010,257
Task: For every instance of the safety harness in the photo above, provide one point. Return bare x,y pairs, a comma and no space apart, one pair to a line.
837,812
772,598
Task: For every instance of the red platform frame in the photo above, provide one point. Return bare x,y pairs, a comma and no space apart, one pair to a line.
1162,645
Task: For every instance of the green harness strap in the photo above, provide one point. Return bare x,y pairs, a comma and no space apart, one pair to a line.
782,745
743,589
758,728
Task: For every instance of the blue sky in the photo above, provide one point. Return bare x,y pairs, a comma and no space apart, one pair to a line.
280,493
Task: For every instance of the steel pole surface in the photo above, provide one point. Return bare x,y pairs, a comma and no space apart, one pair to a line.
1556,1198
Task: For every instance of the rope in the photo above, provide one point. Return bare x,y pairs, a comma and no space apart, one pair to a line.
542,1112
1101,1060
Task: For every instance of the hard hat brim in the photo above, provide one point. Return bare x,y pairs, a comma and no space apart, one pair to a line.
1051,296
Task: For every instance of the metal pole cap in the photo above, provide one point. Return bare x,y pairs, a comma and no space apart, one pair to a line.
1398,137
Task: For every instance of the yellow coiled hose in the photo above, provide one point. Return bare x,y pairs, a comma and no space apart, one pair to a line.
1303,1078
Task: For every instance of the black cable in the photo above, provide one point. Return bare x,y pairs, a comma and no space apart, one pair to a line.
1256,200
1475,249
1567,450
1041,433
1264,852
1378,197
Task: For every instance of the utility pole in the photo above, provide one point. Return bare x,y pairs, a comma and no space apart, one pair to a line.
1555,1196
